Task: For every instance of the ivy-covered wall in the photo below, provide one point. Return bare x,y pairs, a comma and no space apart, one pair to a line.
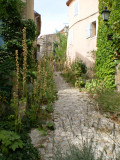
108,49
11,31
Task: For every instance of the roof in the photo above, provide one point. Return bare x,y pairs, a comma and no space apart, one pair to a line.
68,2
36,12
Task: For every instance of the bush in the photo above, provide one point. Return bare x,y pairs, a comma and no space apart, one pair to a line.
79,68
109,101
76,74
28,152
9,141
93,86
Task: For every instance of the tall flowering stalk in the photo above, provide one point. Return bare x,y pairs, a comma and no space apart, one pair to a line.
38,71
33,54
35,89
39,81
16,92
24,61
45,82
17,74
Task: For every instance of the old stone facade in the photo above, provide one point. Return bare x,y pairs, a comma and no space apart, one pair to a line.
46,43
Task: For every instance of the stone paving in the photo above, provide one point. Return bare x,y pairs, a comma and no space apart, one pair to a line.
76,120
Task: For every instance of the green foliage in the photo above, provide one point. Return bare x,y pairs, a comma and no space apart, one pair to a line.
76,75
79,68
43,130
49,108
11,4
46,91
50,125
69,76
107,50
109,101
27,152
60,47
60,51
9,141
30,29
94,85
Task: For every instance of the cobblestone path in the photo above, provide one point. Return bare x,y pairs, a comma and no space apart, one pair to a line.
76,119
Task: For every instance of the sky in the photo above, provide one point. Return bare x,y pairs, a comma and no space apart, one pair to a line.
54,15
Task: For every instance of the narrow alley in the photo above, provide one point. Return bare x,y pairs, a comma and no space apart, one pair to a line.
76,120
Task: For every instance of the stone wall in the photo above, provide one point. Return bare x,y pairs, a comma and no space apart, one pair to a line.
46,44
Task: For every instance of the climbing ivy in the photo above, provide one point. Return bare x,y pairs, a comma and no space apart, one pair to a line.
107,49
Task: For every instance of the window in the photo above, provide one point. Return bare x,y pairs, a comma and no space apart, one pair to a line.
91,29
71,37
75,9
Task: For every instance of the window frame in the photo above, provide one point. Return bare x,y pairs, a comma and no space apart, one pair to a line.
91,31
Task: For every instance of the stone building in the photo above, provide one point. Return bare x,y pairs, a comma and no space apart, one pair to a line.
46,43
83,26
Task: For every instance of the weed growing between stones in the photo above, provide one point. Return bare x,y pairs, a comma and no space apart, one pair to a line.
86,152
109,101
97,139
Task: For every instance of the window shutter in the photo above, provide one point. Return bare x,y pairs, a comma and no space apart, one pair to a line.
76,8
1,38
1,41
88,30
70,37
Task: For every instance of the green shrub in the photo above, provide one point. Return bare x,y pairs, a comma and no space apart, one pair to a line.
79,68
49,108
9,141
50,125
60,51
28,152
92,86
76,74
